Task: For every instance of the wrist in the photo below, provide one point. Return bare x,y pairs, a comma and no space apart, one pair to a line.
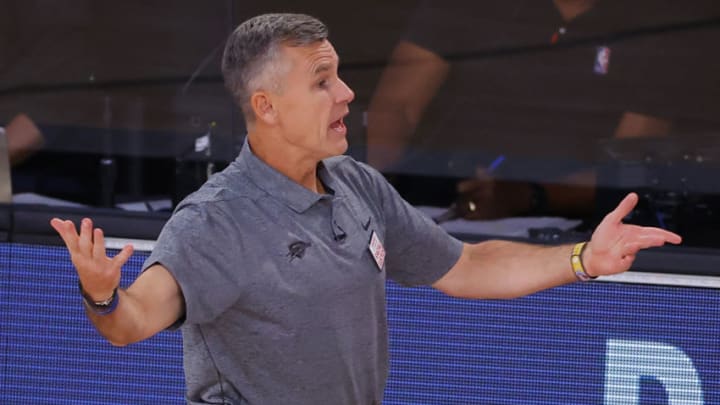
578,264
102,306
585,258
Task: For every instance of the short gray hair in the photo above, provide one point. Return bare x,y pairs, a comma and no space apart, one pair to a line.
251,51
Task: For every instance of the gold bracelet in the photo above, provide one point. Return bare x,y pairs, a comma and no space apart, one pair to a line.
577,264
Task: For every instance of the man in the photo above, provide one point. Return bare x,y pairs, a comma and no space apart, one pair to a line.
276,267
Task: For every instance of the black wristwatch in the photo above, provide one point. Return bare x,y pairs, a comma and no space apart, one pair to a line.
103,307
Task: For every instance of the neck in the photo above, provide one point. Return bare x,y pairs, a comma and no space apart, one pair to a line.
300,169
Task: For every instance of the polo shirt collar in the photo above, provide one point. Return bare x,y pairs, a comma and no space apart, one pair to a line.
281,187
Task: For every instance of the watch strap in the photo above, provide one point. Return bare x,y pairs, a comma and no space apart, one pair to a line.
103,307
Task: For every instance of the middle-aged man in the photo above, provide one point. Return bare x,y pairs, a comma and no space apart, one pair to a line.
276,267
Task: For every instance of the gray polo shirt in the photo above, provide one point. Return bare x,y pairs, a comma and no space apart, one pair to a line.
285,303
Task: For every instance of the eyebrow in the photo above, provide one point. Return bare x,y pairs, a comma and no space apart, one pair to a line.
325,66
321,68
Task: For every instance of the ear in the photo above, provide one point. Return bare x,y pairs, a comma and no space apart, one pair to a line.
262,106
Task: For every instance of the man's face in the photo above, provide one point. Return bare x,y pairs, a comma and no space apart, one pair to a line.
313,101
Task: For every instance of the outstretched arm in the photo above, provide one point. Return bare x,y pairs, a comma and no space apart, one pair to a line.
152,303
503,269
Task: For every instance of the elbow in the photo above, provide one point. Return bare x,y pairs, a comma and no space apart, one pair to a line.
116,339
480,294
472,288
455,289
118,343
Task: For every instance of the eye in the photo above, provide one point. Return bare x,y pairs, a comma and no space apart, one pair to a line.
323,83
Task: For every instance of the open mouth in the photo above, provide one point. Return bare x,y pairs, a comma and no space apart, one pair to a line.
338,126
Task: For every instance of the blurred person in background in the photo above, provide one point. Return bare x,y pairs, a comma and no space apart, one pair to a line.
538,84
23,138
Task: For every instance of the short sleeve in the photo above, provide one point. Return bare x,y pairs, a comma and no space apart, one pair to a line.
199,251
418,251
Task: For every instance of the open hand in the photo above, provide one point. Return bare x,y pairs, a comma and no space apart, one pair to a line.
98,273
613,245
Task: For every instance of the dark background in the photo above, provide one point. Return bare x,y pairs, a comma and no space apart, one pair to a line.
122,91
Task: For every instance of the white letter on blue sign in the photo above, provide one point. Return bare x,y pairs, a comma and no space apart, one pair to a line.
627,361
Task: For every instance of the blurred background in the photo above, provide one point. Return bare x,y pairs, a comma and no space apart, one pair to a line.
516,108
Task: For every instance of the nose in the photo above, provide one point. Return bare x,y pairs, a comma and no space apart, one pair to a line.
344,93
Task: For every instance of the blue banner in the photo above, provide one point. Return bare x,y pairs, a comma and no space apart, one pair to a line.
591,343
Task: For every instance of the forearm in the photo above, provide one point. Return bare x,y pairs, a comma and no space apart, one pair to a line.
405,89
503,269
152,303
122,326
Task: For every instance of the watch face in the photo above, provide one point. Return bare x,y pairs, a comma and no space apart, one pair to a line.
102,304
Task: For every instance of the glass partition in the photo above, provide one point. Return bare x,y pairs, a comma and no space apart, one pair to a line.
536,108
496,109
120,92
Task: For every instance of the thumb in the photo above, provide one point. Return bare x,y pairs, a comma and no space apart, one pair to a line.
123,256
623,209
